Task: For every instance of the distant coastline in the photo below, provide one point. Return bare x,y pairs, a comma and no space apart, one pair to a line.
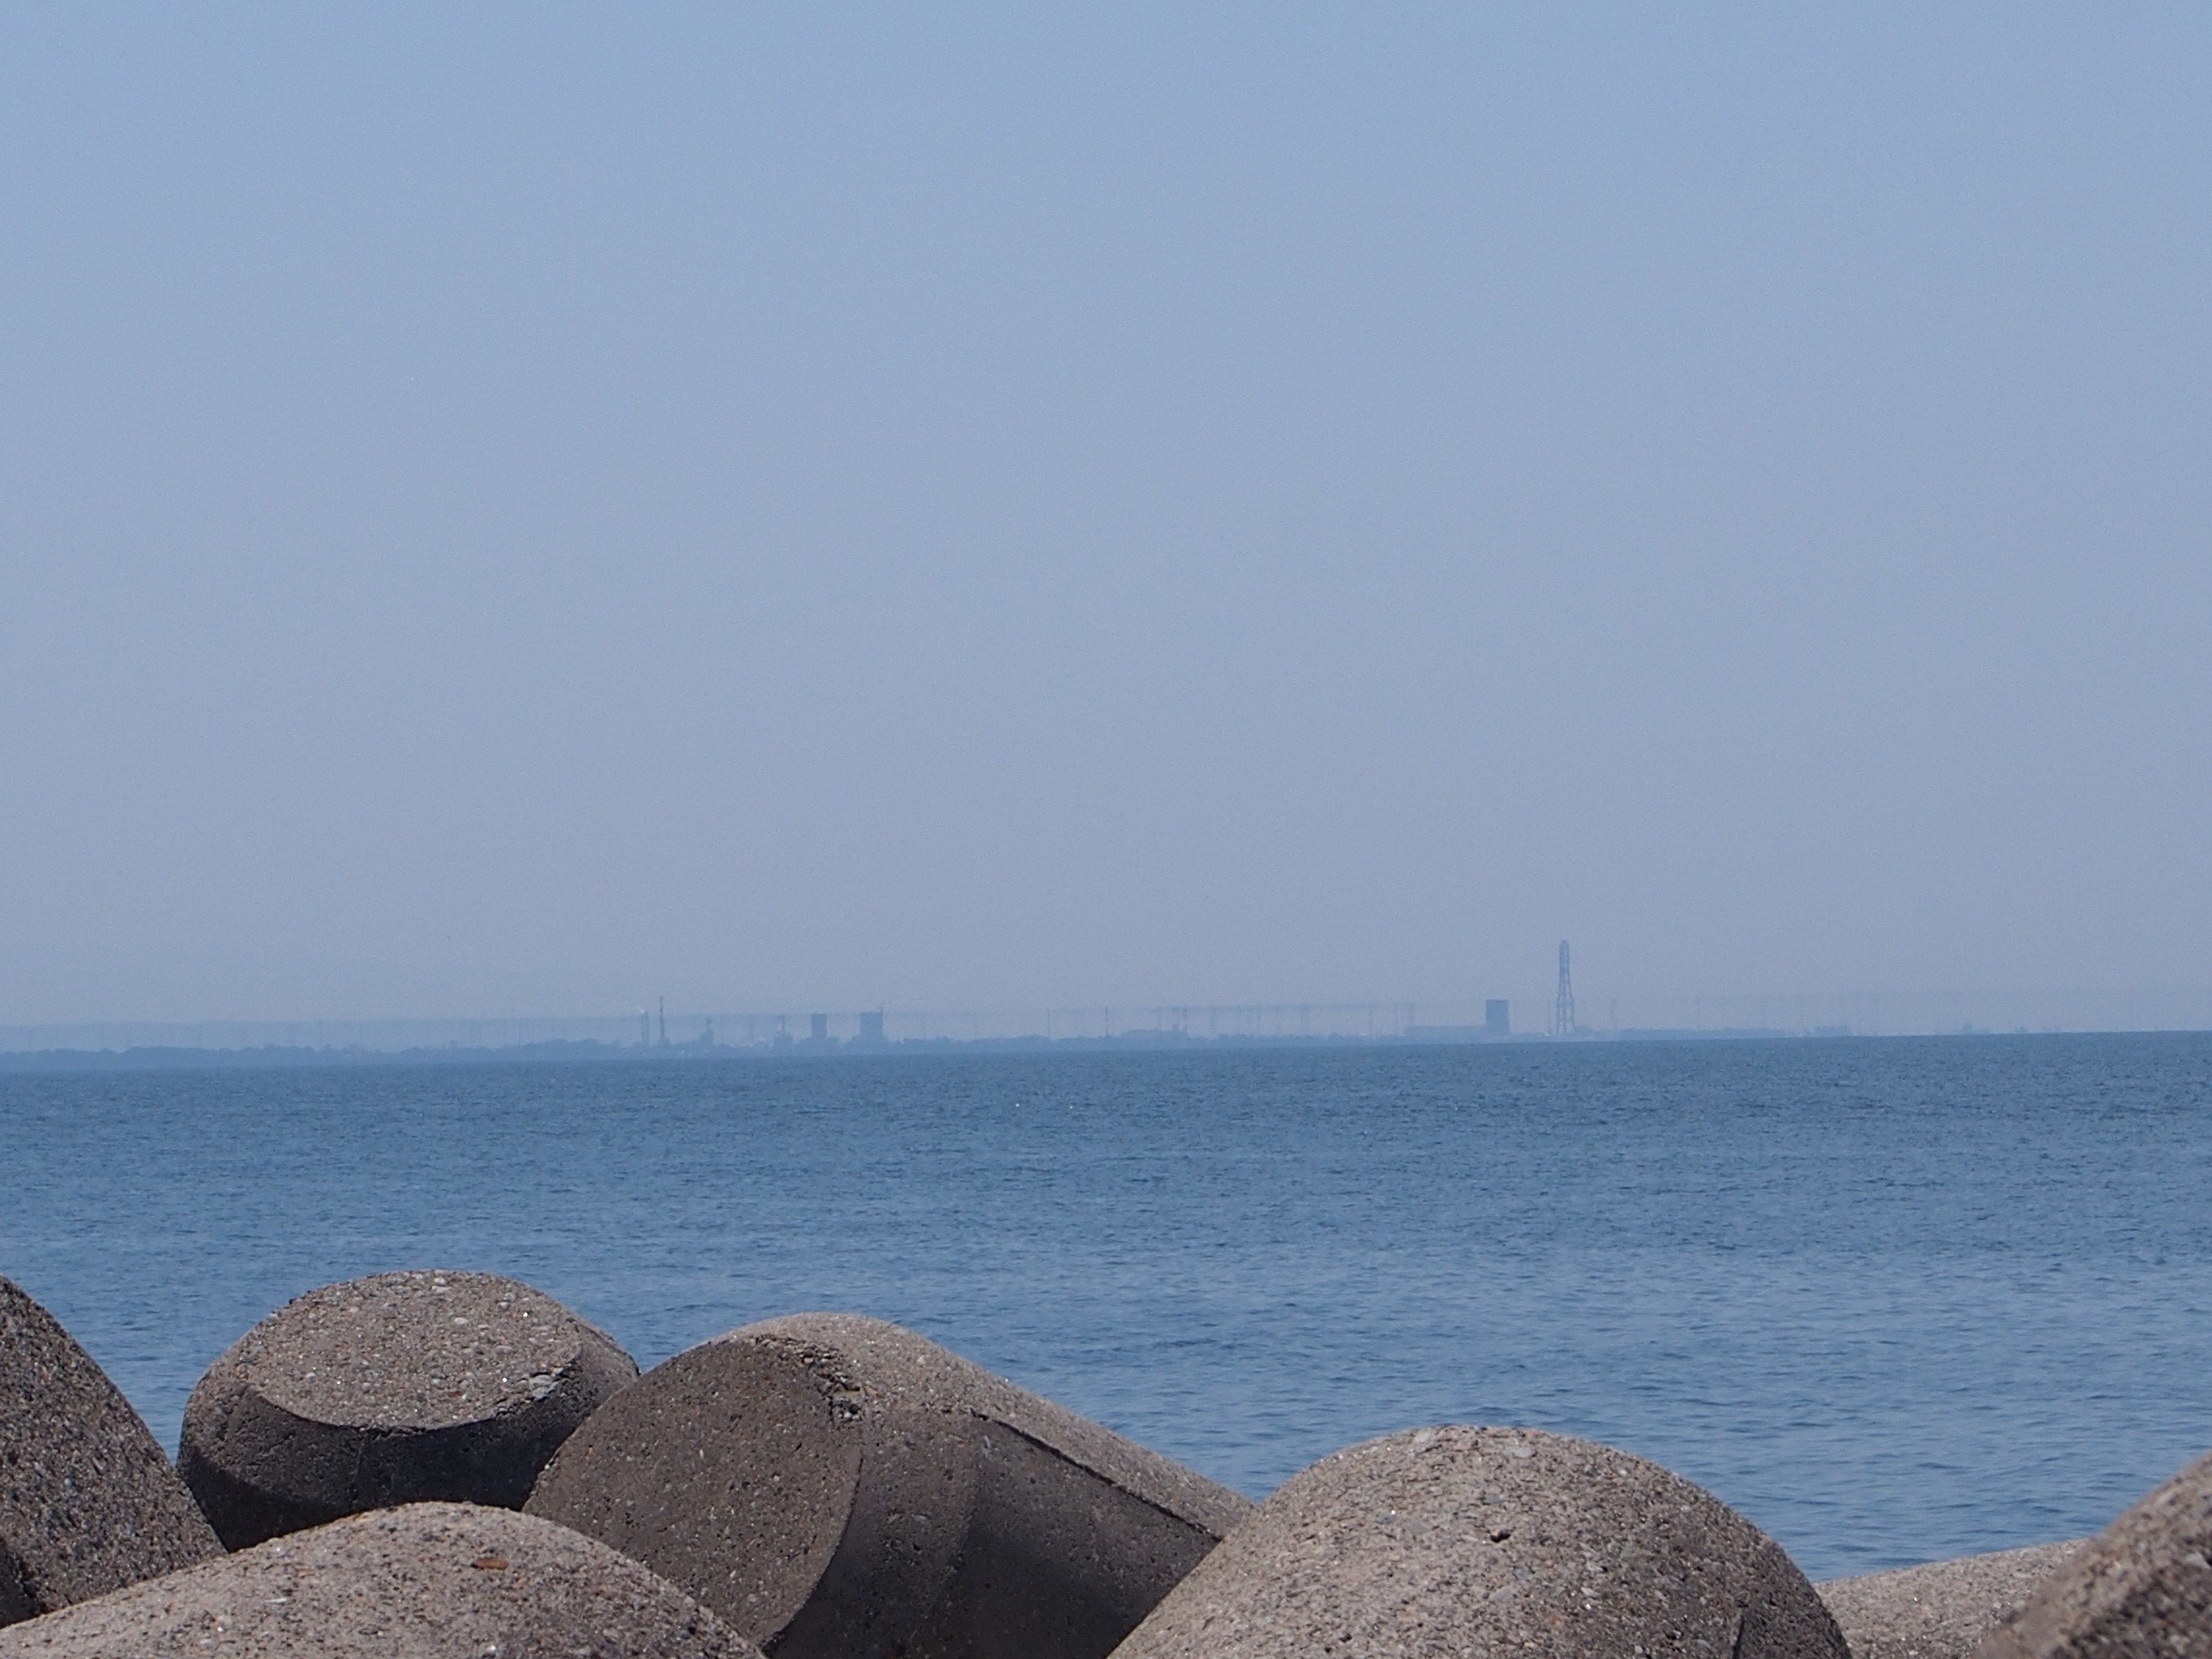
591,1052
161,1057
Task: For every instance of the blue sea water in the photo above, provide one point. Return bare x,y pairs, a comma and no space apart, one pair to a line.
1894,1299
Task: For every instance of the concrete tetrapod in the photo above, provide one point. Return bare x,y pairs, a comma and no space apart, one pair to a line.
392,1389
1941,1611
1491,1540
426,1581
88,1503
2143,1586
839,1487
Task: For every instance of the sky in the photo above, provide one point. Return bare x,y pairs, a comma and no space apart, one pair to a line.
524,509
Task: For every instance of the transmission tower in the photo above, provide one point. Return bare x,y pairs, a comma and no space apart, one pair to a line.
1563,1009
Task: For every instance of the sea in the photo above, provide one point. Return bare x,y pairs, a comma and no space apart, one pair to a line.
1894,1299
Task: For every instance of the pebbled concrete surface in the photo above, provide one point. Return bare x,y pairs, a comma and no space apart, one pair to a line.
1461,1540
425,1581
2140,1589
1942,1610
401,1387
88,1503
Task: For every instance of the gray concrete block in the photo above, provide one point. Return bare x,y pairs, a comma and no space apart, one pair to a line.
837,1488
88,1503
2141,1588
1491,1540
1942,1610
398,1389
425,1581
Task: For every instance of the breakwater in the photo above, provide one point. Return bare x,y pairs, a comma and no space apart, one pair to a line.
830,1487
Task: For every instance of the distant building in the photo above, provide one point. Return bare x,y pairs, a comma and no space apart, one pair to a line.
871,1030
1497,1022
817,1027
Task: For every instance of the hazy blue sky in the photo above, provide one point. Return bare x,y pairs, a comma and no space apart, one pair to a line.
524,508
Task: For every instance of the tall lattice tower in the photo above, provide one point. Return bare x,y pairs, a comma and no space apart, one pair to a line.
1563,1008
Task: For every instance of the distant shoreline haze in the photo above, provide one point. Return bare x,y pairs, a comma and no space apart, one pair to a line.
1518,1012
795,1041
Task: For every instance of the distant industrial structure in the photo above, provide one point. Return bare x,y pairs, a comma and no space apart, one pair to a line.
652,1032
